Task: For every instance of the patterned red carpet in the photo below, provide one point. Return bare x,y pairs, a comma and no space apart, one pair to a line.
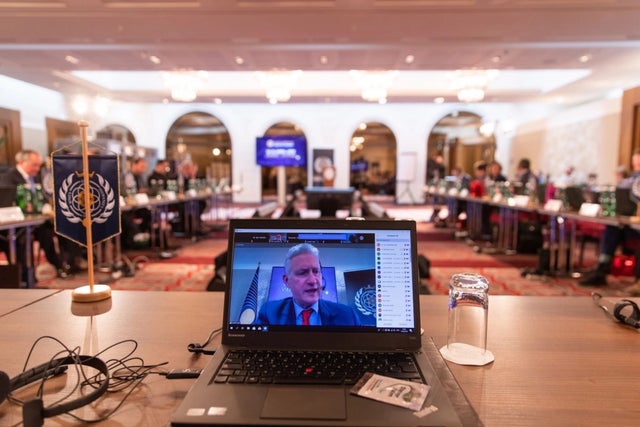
192,268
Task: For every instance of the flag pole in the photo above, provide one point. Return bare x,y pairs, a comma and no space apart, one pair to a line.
92,292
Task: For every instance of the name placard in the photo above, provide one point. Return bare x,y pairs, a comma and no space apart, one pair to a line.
553,205
169,195
521,201
590,209
141,198
11,213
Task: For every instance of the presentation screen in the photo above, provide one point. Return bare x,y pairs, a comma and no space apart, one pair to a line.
281,151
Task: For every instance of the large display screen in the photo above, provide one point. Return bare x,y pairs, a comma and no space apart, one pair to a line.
281,151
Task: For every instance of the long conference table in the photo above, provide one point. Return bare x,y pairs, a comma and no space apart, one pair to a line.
559,361
562,223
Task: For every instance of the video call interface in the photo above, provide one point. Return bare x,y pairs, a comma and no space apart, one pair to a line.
369,271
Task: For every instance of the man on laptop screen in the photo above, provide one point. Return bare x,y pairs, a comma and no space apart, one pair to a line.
303,277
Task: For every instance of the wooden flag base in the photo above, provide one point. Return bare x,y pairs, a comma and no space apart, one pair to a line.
91,293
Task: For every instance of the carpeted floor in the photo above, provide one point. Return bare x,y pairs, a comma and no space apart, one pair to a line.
192,268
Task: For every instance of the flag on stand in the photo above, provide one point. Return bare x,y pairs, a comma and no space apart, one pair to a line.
68,197
250,305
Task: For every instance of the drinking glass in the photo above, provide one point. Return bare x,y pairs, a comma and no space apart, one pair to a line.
468,319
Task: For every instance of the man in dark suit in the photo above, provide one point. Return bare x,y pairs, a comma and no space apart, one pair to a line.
303,276
27,172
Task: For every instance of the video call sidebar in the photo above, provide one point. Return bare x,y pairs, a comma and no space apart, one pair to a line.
394,284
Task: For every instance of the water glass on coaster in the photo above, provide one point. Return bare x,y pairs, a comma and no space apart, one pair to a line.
468,318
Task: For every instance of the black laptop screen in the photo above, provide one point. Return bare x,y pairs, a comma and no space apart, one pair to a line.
363,279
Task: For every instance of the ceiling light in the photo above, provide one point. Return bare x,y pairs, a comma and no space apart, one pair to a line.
217,101
239,60
184,85
101,106
71,59
487,129
471,84
438,100
154,59
374,85
470,94
324,59
585,58
409,59
278,84
80,105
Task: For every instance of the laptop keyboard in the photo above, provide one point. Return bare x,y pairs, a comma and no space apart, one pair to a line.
313,367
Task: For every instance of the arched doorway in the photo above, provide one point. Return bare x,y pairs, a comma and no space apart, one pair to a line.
295,177
116,132
373,159
459,139
204,140
119,139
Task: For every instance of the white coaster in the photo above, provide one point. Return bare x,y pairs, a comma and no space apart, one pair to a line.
465,354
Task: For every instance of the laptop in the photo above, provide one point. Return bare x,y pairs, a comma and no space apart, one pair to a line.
373,266
7,195
575,197
625,206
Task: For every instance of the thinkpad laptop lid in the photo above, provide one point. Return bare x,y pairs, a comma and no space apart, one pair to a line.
575,197
624,204
369,269
7,195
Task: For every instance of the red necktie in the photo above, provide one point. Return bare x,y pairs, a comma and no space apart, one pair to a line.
305,316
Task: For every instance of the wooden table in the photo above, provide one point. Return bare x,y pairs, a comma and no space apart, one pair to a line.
16,299
559,360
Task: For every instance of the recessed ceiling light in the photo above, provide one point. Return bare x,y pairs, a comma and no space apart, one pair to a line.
217,101
409,59
438,100
324,59
585,58
71,59
495,59
239,60
154,59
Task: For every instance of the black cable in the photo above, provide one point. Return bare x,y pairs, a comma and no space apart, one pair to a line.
125,372
200,348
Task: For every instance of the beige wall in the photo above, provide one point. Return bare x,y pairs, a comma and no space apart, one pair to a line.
585,136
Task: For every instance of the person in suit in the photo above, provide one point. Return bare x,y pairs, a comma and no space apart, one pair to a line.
27,172
137,220
303,276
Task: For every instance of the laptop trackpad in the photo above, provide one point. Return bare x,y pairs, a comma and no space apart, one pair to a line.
305,403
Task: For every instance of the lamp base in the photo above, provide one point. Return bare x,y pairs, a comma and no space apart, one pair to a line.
87,294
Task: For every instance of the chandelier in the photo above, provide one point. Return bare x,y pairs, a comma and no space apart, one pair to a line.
471,84
374,85
278,84
184,85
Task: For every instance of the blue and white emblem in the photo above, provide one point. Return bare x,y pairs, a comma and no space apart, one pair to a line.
71,198
365,300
